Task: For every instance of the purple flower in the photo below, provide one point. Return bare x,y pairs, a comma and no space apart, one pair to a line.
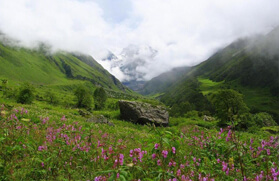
159,162
165,153
40,148
227,172
173,150
178,172
63,118
170,164
156,146
263,143
182,166
224,166
131,153
268,151
153,156
121,159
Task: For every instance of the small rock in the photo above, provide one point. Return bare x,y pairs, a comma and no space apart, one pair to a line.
84,113
208,118
99,119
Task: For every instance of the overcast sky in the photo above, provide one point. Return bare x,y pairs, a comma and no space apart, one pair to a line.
184,32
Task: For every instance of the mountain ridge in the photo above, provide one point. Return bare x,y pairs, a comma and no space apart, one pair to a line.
42,67
250,66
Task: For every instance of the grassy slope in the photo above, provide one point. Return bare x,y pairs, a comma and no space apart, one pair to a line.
257,99
25,65
21,157
163,81
249,66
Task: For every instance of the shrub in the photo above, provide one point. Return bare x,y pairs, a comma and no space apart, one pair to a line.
229,105
84,99
26,94
51,98
100,98
264,119
179,110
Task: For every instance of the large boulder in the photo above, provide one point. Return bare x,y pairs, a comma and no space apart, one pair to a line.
143,113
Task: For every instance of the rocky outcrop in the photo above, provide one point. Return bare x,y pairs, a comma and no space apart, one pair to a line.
143,113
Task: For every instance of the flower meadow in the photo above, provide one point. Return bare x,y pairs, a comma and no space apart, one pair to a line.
34,147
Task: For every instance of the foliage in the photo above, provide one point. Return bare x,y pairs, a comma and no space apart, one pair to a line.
229,105
51,98
100,98
35,146
26,94
188,91
84,99
264,119
58,69
178,110
4,84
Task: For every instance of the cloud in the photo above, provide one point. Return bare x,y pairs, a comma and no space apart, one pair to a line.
183,32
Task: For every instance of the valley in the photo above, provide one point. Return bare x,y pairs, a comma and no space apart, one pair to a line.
61,117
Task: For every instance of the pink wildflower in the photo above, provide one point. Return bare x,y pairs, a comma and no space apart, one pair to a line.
153,156
173,150
165,153
121,159
178,172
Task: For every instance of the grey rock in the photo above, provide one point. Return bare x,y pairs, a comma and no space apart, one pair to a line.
84,113
208,118
99,119
143,113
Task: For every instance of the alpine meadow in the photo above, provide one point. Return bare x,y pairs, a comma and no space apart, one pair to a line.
189,95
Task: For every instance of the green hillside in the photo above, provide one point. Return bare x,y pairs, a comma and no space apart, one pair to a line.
62,68
163,81
249,66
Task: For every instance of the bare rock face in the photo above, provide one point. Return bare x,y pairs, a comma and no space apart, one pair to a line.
143,113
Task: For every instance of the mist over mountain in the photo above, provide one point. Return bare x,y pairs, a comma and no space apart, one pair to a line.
163,81
249,65
183,33
132,62
42,66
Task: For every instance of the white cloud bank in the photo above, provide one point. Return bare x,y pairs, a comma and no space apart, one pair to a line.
184,32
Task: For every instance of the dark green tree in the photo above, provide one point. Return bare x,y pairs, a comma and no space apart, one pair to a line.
100,98
178,110
4,84
26,94
229,105
51,97
84,99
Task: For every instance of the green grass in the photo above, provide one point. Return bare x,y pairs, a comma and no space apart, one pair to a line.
257,99
208,86
21,64
83,156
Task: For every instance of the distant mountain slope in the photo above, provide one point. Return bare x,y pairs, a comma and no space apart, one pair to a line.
163,81
40,67
254,62
134,85
249,65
